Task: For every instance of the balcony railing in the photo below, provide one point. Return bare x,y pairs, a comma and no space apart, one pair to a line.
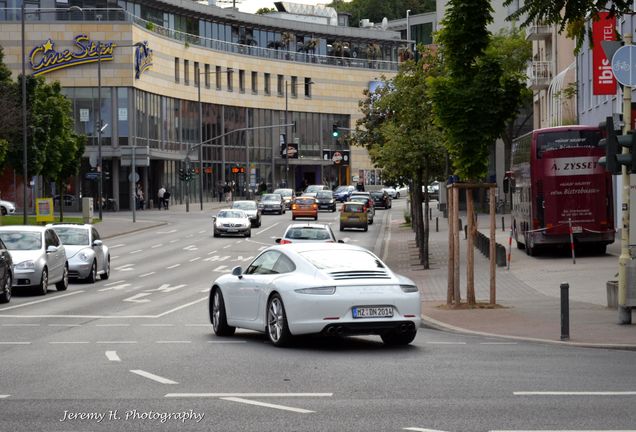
538,32
42,14
539,75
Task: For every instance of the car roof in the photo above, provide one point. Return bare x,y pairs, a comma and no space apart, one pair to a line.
308,225
33,228
311,246
244,201
69,224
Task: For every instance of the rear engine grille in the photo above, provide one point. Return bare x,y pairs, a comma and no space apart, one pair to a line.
360,274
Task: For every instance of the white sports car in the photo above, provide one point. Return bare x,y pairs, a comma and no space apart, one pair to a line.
309,288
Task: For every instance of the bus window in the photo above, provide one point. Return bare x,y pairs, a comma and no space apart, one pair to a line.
567,139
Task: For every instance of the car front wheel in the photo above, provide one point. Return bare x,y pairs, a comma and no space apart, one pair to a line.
5,296
277,330
92,276
44,283
106,274
62,285
218,315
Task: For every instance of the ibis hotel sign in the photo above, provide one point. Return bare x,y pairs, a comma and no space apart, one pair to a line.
45,58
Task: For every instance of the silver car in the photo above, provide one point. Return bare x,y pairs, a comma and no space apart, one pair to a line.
39,257
87,255
308,232
232,221
251,208
7,207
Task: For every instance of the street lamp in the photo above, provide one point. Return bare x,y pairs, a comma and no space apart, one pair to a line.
206,73
287,84
24,106
408,30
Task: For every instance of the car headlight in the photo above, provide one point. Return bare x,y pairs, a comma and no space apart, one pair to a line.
25,265
83,256
330,201
317,290
409,288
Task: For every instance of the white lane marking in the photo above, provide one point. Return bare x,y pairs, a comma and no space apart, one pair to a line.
197,325
112,356
173,341
65,325
268,228
221,268
137,298
114,283
125,267
167,232
385,253
267,405
576,393
195,259
15,343
250,395
166,288
498,343
172,266
262,247
4,396
57,297
217,258
204,290
180,307
136,251
112,325
157,325
240,258
68,342
115,287
116,342
564,430
202,232
173,241
156,245
446,343
114,257
212,252
153,377
146,274
20,325
227,342
191,248
116,246
421,429
225,247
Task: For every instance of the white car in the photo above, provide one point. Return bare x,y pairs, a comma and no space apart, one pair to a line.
251,208
7,207
232,221
87,255
308,232
310,288
38,255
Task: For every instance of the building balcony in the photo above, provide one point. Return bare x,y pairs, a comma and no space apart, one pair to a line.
538,32
539,75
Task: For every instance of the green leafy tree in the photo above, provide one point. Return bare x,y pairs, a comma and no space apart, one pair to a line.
398,130
376,10
8,110
569,15
265,11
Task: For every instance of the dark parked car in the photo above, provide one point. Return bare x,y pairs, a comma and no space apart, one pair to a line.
272,203
381,199
6,274
326,200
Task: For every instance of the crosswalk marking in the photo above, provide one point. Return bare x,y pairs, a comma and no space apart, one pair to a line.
112,356
268,405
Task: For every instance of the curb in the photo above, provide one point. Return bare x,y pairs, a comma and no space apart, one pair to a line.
134,230
428,322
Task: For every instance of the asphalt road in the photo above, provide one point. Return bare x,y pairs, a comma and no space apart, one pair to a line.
137,352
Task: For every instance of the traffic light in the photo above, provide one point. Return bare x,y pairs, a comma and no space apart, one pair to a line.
334,130
182,176
614,143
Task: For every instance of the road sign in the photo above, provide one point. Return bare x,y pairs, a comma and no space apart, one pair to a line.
130,177
624,65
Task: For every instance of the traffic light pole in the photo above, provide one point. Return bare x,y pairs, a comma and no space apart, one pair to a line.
624,312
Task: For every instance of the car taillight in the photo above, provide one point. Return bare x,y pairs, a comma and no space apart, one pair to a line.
314,206
283,241
294,207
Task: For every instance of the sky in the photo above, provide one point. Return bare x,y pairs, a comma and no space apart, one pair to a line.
252,6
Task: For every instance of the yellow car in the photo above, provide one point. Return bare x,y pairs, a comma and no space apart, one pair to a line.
353,215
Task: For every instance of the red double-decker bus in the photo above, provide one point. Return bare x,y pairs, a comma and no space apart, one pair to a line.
557,185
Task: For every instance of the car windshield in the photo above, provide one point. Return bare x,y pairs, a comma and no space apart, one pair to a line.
231,214
244,205
271,197
308,233
354,208
324,194
314,188
343,259
21,240
305,200
283,192
361,199
72,236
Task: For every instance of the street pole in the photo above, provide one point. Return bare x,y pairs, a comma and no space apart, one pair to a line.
24,119
100,168
408,30
286,139
200,142
322,162
624,312
133,181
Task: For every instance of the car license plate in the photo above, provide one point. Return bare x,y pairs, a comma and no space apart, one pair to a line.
373,312
353,218
577,229
232,230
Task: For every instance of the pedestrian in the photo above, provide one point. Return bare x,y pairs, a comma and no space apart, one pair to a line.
166,200
220,189
160,197
140,198
227,192
360,187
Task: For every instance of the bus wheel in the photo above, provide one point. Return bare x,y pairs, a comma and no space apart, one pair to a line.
601,249
530,250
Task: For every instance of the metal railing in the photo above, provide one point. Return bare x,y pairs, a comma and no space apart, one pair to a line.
110,14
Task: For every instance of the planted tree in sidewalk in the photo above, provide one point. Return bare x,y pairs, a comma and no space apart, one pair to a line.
8,110
474,98
397,128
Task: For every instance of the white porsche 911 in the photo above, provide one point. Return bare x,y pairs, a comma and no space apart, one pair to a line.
311,288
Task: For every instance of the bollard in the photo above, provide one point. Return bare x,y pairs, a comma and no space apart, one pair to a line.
503,224
465,232
501,255
436,224
430,214
565,311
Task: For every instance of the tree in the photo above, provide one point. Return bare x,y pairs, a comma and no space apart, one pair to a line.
398,130
265,11
376,10
8,110
569,15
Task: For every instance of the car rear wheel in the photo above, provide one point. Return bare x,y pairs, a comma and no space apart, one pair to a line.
341,228
62,285
396,337
5,296
293,217
277,329
248,234
44,283
92,276
4,211
366,228
106,274
218,316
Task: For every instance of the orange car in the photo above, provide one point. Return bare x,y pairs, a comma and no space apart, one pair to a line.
304,206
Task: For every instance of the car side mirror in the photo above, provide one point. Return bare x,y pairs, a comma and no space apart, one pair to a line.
278,240
340,241
237,271
51,249
97,243
213,218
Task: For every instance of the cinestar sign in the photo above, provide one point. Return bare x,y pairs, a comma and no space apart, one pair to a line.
45,58
603,82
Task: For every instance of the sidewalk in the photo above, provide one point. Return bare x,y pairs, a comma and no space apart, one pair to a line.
528,294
